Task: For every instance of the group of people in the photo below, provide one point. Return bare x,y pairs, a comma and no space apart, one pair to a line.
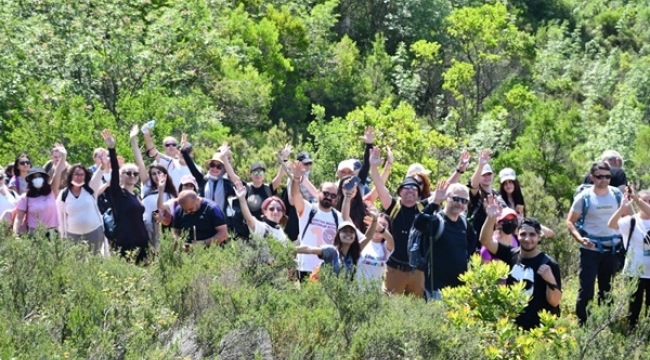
336,225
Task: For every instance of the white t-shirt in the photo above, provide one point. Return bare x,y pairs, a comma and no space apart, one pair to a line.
7,202
372,262
150,204
321,232
78,215
261,229
175,169
635,259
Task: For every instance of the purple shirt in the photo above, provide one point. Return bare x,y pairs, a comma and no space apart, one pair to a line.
487,257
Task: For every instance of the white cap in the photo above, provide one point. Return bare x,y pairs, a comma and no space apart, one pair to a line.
346,164
487,169
417,168
346,223
507,174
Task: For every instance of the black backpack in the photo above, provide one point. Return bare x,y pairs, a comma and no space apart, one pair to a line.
237,223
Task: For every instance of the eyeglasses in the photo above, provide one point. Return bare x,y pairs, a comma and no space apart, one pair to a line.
171,145
410,187
24,163
274,209
216,165
257,172
79,174
328,194
600,177
459,199
131,173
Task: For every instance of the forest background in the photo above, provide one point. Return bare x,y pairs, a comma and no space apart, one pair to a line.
546,84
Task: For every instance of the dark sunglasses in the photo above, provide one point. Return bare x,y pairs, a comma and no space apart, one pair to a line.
216,165
273,209
328,194
600,177
24,163
131,173
459,199
171,144
410,187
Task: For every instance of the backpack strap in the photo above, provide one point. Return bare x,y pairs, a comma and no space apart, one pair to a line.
336,219
64,194
396,208
312,213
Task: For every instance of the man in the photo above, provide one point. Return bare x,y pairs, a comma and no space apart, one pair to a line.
198,220
480,188
318,222
50,165
449,250
540,272
587,222
400,278
171,160
615,162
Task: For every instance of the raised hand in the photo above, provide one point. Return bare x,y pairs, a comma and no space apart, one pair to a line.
295,169
492,207
464,160
375,156
240,190
162,180
109,139
146,129
389,155
286,151
134,131
183,142
61,149
484,157
368,135
441,192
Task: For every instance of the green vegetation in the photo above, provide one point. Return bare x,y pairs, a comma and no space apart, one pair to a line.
547,85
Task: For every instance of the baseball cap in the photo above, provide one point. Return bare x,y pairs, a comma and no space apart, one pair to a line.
346,164
304,157
417,168
507,174
487,169
346,223
257,165
189,179
507,213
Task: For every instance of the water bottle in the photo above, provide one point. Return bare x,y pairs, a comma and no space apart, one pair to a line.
151,123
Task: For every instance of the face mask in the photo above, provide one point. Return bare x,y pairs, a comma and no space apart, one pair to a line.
38,182
78,183
508,229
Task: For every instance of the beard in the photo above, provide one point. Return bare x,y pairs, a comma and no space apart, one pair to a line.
325,203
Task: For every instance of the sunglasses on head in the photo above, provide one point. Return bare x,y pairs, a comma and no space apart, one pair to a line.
600,177
257,172
328,194
459,199
171,145
25,162
131,173
216,165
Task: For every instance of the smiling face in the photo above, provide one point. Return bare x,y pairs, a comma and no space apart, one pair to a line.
409,194
509,186
273,211
129,174
457,200
347,235
327,195
257,176
170,143
528,238
486,180
216,168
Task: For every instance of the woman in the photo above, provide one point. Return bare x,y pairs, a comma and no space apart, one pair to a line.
510,191
37,206
131,233
150,189
272,210
372,264
636,238
18,183
355,210
346,252
8,198
78,214
507,223
423,183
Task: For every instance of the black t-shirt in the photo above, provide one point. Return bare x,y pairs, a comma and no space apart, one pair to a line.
618,177
449,254
204,221
256,196
400,227
525,269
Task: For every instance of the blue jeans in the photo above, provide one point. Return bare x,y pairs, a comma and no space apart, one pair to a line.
594,265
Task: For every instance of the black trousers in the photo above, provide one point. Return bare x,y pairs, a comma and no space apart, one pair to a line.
594,265
637,300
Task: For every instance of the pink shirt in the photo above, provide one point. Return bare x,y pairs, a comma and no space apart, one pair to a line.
485,254
40,209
